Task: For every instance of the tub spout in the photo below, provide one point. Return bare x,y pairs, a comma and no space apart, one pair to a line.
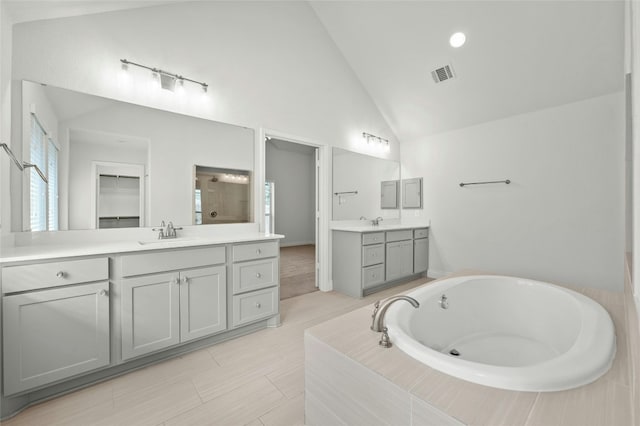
380,308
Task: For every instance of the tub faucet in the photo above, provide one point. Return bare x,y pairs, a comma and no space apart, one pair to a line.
380,309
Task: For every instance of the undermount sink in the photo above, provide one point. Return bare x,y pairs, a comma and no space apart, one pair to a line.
167,241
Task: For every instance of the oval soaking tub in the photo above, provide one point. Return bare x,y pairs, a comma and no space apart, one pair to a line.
506,332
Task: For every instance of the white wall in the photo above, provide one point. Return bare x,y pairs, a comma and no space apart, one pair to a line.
176,144
6,40
293,172
562,217
362,173
81,157
268,64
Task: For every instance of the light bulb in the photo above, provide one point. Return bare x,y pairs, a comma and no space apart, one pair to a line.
457,39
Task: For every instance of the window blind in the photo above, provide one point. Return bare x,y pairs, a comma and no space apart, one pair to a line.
38,188
52,189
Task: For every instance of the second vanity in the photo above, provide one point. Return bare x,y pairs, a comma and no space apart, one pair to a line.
367,259
70,320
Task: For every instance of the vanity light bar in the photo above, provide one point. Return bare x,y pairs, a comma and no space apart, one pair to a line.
369,137
167,78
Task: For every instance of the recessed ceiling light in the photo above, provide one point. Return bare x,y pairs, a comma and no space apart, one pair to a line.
457,39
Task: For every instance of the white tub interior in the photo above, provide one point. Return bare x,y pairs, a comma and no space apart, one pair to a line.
508,332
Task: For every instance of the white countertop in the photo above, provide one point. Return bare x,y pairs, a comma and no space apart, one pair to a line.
55,251
374,228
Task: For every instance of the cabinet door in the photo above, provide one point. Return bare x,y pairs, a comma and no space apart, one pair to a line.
399,259
150,314
412,193
203,302
54,334
420,255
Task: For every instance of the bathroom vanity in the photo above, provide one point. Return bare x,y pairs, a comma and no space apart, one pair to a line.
367,259
69,320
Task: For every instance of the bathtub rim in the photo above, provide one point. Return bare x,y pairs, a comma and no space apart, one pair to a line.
558,373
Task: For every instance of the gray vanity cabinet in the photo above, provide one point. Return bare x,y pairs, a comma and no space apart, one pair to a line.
256,280
366,262
150,314
399,254
420,250
160,310
203,307
56,330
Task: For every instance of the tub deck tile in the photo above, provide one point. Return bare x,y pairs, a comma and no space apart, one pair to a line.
607,401
603,402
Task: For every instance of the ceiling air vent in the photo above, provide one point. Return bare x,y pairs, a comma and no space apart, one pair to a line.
442,74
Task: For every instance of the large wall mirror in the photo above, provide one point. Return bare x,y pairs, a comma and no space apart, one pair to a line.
115,164
363,186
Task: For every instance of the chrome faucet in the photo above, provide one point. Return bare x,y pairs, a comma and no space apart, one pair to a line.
380,309
169,232
376,221
160,231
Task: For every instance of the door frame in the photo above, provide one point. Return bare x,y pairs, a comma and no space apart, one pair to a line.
323,205
125,169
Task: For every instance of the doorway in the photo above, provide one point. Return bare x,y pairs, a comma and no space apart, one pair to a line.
118,195
292,210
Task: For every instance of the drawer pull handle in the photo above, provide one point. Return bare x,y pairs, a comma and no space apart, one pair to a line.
258,251
258,305
60,274
104,293
258,275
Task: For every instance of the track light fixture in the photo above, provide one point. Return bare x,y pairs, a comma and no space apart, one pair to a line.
167,79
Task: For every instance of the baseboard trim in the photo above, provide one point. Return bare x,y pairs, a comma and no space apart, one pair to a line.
435,273
297,243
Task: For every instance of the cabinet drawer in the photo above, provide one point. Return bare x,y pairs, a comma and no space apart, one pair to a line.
405,234
421,233
252,251
372,255
255,306
372,238
149,263
54,274
254,275
373,275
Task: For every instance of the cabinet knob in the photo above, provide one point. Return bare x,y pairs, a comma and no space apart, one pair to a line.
104,292
258,251
185,280
60,274
258,275
258,305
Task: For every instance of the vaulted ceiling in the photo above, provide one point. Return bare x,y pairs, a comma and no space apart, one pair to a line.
520,56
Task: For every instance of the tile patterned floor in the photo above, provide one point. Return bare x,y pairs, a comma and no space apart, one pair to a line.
255,380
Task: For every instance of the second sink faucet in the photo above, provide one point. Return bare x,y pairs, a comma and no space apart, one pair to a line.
376,221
